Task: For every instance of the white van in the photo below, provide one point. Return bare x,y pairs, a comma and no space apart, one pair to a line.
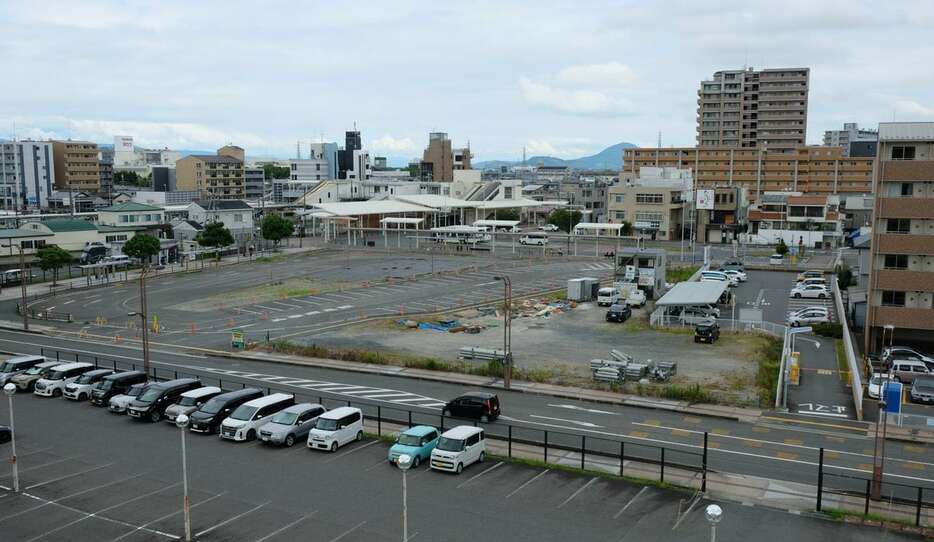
59,377
719,276
335,428
119,259
458,448
532,238
245,420
607,296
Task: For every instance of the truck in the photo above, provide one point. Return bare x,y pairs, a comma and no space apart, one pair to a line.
630,293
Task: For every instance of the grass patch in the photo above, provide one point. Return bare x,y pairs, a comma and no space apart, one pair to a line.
829,330
768,356
268,259
680,274
676,392
839,515
842,366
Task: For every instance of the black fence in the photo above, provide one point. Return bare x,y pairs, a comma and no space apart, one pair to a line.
520,439
45,314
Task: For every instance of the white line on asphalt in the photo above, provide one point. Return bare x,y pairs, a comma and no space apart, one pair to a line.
287,526
827,414
487,283
67,476
163,518
529,481
312,313
628,504
352,450
286,304
306,301
228,520
339,296
584,424
292,316
276,320
244,325
337,387
70,301
344,307
39,451
694,501
385,395
474,477
93,302
268,308
354,528
34,467
578,492
46,503
330,309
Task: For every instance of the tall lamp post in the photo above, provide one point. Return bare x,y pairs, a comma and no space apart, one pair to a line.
10,390
713,514
182,422
405,463
878,449
22,281
143,307
507,330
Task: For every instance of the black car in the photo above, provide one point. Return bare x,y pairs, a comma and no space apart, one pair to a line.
6,434
479,405
116,384
618,313
151,404
208,418
706,332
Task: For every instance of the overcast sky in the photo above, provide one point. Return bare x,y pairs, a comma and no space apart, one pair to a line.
565,78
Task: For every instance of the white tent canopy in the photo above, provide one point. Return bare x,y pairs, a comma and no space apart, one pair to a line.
597,227
399,220
496,223
693,293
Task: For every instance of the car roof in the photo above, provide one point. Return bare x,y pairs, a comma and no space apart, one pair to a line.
70,366
419,430
910,362
201,392
480,394
302,407
269,399
96,372
236,394
23,359
617,306
461,432
45,364
124,374
340,412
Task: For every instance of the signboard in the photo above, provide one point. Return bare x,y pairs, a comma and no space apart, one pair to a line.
892,395
704,199
236,338
123,144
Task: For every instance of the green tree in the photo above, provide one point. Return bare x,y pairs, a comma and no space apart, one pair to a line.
215,235
781,247
275,228
130,178
844,276
508,214
272,171
142,246
51,258
564,219
627,228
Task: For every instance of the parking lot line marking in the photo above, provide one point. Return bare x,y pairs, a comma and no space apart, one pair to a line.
527,482
381,462
34,467
345,533
474,477
793,441
4,518
264,307
352,450
144,526
234,518
628,504
413,399
578,492
67,476
385,395
39,451
287,526
285,304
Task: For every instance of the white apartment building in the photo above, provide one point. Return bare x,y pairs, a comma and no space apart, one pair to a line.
850,133
27,174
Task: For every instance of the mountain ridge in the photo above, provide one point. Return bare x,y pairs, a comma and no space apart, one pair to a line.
610,158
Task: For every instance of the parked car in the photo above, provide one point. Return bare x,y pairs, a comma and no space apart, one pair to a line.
922,390
53,384
776,259
335,428
534,238
810,274
244,422
151,404
736,265
809,316
16,365
706,332
811,291
695,315
191,401
479,405
813,280
739,276
548,227
636,298
607,296
618,312
118,403
416,442
709,309
6,434
208,418
906,370
874,386
707,276
80,389
291,424
904,352
114,385
458,448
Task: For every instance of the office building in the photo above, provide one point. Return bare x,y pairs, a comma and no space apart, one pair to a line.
806,222
901,280
850,135
76,166
754,108
217,176
656,203
345,157
322,164
163,179
27,174
440,159
105,163
255,179
811,170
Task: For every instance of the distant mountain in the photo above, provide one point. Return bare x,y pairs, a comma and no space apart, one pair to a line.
610,158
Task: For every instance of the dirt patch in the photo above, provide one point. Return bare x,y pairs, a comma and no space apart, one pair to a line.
279,290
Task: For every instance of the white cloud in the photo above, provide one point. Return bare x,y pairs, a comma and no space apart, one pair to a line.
611,74
96,15
534,147
574,102
912,108
393,145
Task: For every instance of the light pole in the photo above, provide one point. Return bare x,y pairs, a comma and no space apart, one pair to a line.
878,449
10,390
405,463
22,281
507,330
182,422
713,514
143,317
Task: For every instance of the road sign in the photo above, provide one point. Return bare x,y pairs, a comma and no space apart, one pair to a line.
804,329
892,394
236,338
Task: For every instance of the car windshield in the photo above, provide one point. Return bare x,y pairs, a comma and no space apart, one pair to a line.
135,390
926,386
36,370
105,384
243,412
409,440
98,385
188,401
285,418
213,406
450,444
150,395
84,379
7,367
326,424
876,380
56,375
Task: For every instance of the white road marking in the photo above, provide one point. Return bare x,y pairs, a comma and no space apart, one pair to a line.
584,424
93,302
474,477
487,283
815,413
578,492
628,504
312,313
385,395
228,520
276,320
352,450
344,307
287,526
536,477
70,301
163,518
594,411
291,316
352,529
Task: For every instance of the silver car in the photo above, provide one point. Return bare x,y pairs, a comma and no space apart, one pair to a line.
291,424
191,401
118,403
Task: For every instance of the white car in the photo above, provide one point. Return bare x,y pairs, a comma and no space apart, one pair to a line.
776,259
244,422
335,428
636,298
808,316
740,276
548,227
457,448
118,403
874,387
60,376
903,352
812,280
813,291
80,389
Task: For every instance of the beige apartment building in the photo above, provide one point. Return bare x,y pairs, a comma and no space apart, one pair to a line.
655,203
901,278
754,109
76,166
219,176
809,169
440,160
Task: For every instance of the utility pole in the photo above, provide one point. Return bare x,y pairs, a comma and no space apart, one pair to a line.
507,330
143,313
22,282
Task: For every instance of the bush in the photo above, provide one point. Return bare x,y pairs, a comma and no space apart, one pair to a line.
781,247
829,330
769,357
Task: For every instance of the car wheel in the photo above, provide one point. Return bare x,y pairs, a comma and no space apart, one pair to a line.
416,461
484,419
793,324
359,436
56,393
31,387
251,435
460,468
155,416
482,457
333,446
797,295
290,440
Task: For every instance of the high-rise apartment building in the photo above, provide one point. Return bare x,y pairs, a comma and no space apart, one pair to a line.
76,166
345,157
27,174
440,159
105,163
901,278
255,179
754,108
217,176
851,133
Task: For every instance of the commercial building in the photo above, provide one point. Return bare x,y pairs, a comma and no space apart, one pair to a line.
163,178
76,166
811,170
440,159
725,220
656,204
754,108
800,221
217,176
27,173
901,282
105,163
850,134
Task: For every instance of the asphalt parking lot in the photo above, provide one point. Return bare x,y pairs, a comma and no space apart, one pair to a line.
90,475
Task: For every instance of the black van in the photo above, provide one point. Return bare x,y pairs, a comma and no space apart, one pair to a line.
151,404
208,418
115,384
479,405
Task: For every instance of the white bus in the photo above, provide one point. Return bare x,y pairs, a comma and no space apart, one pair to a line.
534,238
460,235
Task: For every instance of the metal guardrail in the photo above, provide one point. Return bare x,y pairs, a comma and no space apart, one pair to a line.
46,314
726,324
482,354
852,360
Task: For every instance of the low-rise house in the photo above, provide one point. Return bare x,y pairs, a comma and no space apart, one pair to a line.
236,215
130,214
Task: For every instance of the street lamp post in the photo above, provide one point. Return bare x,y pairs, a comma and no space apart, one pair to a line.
10,390
405,463
713,514
143,318
182,422
507,330
22,282
878,449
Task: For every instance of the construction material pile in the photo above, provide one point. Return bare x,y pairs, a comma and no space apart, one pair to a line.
624,368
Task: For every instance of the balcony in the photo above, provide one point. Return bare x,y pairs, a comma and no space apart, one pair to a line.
907,170
899,243
904,281
913,207
903,317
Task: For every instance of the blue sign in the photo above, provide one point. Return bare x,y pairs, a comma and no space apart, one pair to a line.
892,394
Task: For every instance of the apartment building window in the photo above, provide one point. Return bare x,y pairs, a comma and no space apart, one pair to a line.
650,198
898,225
903,153
893,299
619,198
620,215
238,217
907,189
896,261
